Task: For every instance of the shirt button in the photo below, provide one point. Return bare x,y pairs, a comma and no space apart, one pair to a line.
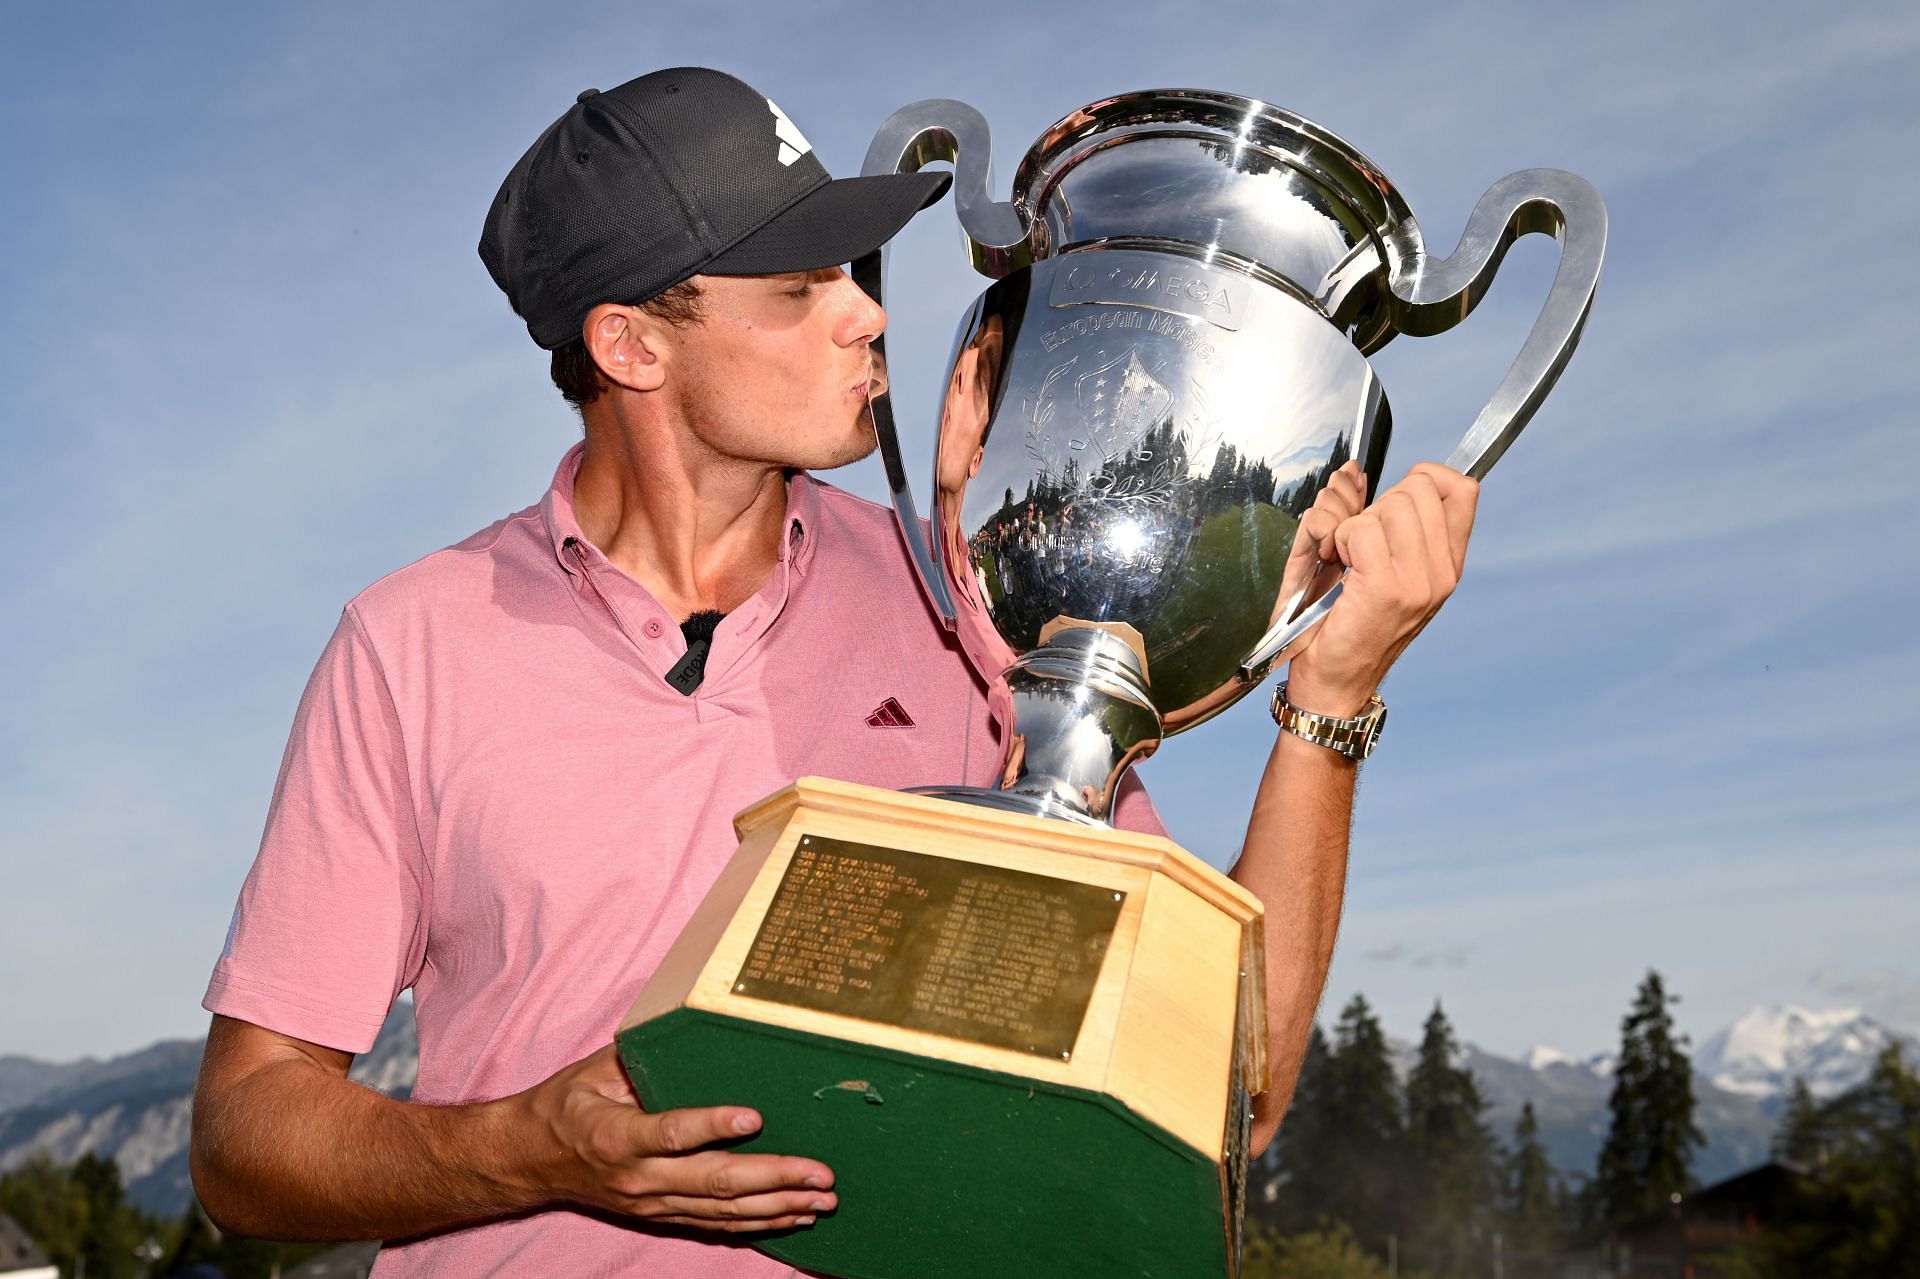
653,628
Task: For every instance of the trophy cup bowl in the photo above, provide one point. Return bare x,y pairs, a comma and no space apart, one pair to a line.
1168,370
962,1006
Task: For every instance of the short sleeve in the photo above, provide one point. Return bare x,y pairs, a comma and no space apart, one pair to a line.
1133,810
332,921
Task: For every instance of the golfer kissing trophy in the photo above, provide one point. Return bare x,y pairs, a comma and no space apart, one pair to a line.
1024,1040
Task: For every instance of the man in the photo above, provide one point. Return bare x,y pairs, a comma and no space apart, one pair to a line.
507,786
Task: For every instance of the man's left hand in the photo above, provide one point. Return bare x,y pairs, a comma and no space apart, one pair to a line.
1404,555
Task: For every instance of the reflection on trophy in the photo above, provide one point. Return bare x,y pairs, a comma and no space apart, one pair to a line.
1165,375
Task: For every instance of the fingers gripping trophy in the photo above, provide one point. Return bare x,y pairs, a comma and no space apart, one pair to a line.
1151,418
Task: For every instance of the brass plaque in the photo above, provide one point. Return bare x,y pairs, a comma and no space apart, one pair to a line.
995,956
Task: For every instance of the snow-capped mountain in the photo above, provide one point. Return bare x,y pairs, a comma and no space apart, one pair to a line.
1540,1057
1569,1096
1762,1053
1741,1077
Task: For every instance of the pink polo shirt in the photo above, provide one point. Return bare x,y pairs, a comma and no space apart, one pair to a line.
492,796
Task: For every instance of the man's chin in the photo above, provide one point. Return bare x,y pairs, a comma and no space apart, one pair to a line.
855,450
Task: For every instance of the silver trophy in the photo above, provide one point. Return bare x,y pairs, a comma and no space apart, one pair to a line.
1169,367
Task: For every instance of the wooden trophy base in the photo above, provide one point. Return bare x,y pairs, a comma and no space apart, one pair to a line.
1024,1046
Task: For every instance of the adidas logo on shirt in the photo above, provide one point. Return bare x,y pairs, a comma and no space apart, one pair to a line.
891,714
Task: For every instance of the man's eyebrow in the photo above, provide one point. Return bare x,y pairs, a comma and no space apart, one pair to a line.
787,279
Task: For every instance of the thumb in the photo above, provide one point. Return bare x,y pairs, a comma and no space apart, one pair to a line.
603,1072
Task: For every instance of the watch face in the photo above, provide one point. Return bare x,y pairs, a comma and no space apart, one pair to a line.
1376,722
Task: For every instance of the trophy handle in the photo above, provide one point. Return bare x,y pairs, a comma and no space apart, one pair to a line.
996,233
869,273
1431,295
943,129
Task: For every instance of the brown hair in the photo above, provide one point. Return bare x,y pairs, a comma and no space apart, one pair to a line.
579,378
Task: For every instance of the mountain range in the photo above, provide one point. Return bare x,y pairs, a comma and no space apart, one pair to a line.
136,1108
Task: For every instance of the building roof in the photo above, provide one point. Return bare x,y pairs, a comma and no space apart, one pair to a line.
17,1249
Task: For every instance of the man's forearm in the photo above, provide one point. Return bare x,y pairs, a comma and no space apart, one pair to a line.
293,1151
1403,557
284,1147
1295,861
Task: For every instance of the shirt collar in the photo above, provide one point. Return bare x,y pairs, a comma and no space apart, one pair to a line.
803,521
556,509
563,526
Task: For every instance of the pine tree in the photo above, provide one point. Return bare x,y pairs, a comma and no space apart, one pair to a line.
1296,1163
1874,1172
1800,1139
1450,1162
43,1199
1530,1193
1647,1159
1856,1214
1364,1130
114,1230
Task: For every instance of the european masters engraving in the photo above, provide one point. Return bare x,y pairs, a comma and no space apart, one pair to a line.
1163,283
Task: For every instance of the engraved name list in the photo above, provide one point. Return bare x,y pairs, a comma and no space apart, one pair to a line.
973,952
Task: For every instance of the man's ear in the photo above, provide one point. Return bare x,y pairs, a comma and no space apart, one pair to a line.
628,345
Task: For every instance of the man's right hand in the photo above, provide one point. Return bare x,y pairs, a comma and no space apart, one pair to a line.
590,1142
285,1147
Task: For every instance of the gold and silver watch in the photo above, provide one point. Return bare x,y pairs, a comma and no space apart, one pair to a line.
1355,738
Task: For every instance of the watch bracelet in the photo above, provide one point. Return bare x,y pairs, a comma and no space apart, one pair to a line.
1354,738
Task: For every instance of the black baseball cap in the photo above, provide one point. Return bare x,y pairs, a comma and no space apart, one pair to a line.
678,173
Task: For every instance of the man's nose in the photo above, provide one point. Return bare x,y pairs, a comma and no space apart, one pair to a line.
865,319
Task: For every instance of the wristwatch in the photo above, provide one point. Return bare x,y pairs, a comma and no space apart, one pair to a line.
1355,738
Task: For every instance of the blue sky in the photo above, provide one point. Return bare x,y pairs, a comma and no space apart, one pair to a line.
251,362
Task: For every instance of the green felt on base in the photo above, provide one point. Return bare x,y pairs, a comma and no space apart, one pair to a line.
942,1169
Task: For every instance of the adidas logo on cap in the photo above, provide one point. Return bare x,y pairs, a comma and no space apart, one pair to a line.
793,143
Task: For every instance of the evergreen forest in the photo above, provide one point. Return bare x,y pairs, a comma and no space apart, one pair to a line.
1376,1172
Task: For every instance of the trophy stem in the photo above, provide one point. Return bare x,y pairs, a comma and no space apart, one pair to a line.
1082,716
